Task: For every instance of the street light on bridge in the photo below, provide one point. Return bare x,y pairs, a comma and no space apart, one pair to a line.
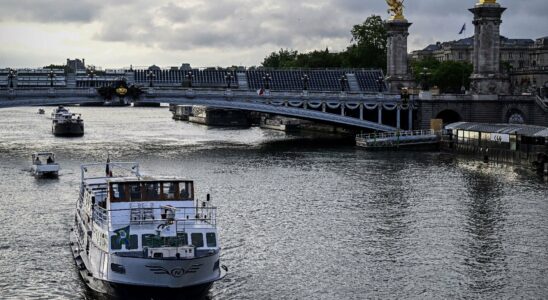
229,77
266,81
343,80
11,75
189,76
305,82
51,76
380,83
425,75
150,76
91,75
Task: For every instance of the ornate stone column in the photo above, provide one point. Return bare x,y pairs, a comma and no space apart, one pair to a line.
397,75
487,78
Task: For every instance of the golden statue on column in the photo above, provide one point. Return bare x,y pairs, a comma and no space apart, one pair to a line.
396,8
488,2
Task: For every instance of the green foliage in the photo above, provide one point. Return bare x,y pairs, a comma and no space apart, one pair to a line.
285,58
54,67
367,50
106,92
371,33
448,76
134,92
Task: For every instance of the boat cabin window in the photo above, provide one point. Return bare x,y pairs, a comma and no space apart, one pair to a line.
197,239
116,242
151,191
169,189
135,192
155,241
185,190
117,192
211,240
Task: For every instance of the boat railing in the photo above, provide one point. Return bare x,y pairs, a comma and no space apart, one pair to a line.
155,217
131,167
395,134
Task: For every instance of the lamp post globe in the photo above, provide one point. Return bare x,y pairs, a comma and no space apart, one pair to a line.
305,82
51,76
228,78
343,81
380,83
189,77
150,76
11,75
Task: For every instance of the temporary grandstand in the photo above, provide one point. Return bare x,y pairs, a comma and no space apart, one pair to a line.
290,80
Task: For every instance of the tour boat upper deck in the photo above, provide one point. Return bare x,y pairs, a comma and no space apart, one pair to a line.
157,211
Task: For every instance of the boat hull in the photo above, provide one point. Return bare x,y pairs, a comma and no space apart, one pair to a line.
68,129
152,278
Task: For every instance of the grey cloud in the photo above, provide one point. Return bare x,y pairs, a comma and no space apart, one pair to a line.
170,25
56,11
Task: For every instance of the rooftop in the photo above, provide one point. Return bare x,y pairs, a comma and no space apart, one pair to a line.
521,129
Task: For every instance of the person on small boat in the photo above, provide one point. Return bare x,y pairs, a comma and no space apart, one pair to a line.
37,161
50,160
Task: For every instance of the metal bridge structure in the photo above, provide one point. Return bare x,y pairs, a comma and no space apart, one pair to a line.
346,109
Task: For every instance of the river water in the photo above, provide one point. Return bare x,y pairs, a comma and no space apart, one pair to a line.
300,218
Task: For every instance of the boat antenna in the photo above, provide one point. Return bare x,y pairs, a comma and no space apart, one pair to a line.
108,171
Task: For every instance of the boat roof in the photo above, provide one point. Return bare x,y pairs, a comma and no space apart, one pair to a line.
521,129
43,153
105,180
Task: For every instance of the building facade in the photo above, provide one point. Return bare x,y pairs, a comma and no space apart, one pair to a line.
526,60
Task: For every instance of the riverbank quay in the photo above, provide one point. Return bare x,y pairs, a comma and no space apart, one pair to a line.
520,144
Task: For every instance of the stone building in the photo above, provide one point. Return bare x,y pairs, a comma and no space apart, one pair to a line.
517,53
525,59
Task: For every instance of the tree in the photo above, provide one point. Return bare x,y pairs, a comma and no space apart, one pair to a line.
451,76
448,76
283,59
371,33
367,50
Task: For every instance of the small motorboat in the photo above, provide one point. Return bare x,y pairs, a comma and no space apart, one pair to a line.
43,164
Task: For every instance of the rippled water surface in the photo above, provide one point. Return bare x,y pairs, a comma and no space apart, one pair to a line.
300,218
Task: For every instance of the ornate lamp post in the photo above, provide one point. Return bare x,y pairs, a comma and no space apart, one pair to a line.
11,75
380,83
189,76
229,77
51,76
150,76
91,75
266,81
343,82
305,82
425,75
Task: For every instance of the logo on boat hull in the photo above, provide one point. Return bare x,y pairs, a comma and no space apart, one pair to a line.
176,272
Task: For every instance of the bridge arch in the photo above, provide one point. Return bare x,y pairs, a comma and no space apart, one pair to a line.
449,116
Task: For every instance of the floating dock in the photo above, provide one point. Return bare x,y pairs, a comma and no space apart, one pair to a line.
417,139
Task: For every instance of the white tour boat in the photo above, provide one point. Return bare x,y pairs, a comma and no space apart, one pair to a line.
59,110
65,123
43,164
139,235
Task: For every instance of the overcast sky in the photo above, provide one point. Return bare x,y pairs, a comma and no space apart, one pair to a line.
120,33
